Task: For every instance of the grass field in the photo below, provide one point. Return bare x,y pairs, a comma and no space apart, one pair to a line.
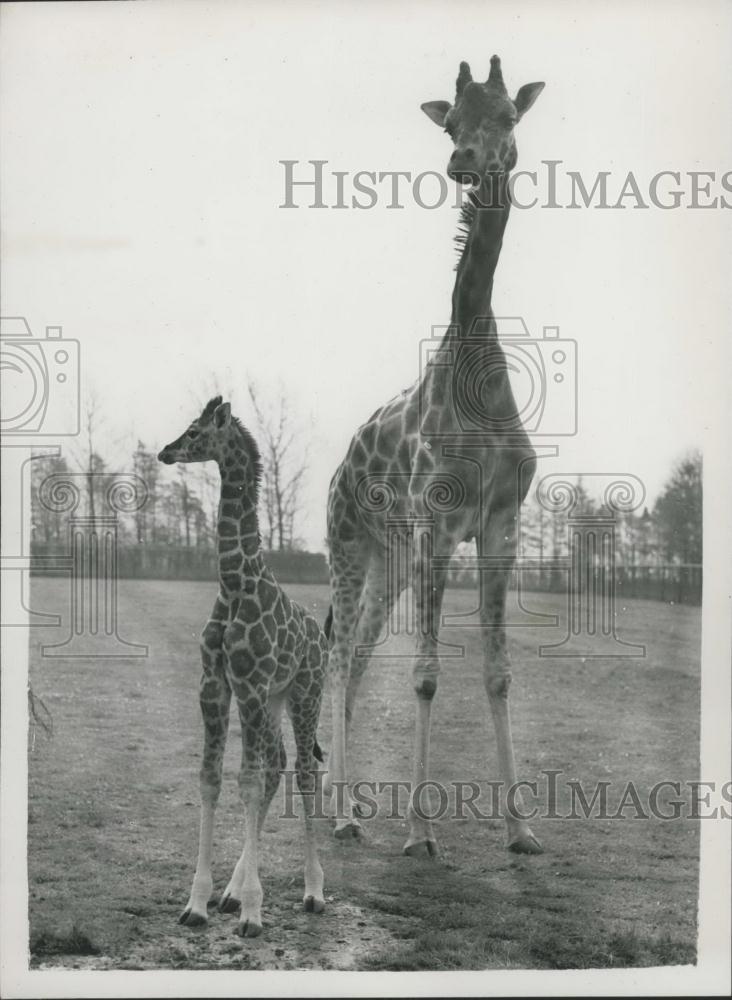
113,810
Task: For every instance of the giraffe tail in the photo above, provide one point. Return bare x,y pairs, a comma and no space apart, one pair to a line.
327,626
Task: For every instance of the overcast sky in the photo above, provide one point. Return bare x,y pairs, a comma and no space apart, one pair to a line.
141,187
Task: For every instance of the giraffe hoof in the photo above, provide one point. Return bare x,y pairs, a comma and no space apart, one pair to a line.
313,904
228,904
192,919
421,848
349,831
525,843
248,929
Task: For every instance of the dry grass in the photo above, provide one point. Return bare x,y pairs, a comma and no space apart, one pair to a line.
114,808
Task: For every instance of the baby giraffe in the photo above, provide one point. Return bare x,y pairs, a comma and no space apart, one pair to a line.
266,650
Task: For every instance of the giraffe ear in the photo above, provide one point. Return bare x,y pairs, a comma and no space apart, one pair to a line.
526,97
222,416
437,111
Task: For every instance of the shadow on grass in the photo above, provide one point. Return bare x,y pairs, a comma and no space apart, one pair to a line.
442,919
72,942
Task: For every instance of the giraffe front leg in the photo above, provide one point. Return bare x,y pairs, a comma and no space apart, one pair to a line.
251,787
499,541
215,698
230,901
497,676
429,585
195,913
422,841
258,779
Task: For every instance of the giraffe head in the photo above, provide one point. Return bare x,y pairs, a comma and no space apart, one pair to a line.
216,436
481,123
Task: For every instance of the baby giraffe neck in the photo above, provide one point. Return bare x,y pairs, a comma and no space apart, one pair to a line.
238,539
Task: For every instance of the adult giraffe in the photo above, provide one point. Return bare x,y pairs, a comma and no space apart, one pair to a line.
447,460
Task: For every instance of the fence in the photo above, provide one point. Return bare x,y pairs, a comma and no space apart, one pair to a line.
168,562
681,584
677,583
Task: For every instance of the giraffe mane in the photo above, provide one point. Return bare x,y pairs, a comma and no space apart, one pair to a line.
468,214
250,444
252,450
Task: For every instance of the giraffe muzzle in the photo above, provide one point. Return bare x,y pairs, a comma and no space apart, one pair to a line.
463,167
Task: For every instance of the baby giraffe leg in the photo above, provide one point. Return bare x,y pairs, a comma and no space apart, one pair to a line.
231,899
313,900
251,786
215,702
304,709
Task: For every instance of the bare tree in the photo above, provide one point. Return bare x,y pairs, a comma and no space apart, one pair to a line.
209,486
186,501
48,525
284,466
147,467
86,456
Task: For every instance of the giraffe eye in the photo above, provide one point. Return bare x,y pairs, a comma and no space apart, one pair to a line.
193,433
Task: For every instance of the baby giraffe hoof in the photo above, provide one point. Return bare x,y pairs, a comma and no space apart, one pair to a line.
190,918
421,848
525,843
229,904
248,929
349,831
313,904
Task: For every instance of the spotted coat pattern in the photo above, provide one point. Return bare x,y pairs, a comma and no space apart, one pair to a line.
446,461
267,652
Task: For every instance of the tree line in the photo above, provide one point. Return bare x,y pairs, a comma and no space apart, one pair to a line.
181,509
669,532
182,504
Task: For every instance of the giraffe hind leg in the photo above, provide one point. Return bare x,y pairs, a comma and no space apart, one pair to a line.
348,572
378,600
303,707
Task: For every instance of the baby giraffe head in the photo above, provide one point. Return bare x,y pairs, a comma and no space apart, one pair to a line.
481,123
217,436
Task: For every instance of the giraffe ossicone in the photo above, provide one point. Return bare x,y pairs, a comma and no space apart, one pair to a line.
418,444
267,652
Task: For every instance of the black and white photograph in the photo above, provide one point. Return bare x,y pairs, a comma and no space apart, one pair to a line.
366,538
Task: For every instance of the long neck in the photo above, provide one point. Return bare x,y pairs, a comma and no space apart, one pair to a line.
467,389
471,297
238,538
